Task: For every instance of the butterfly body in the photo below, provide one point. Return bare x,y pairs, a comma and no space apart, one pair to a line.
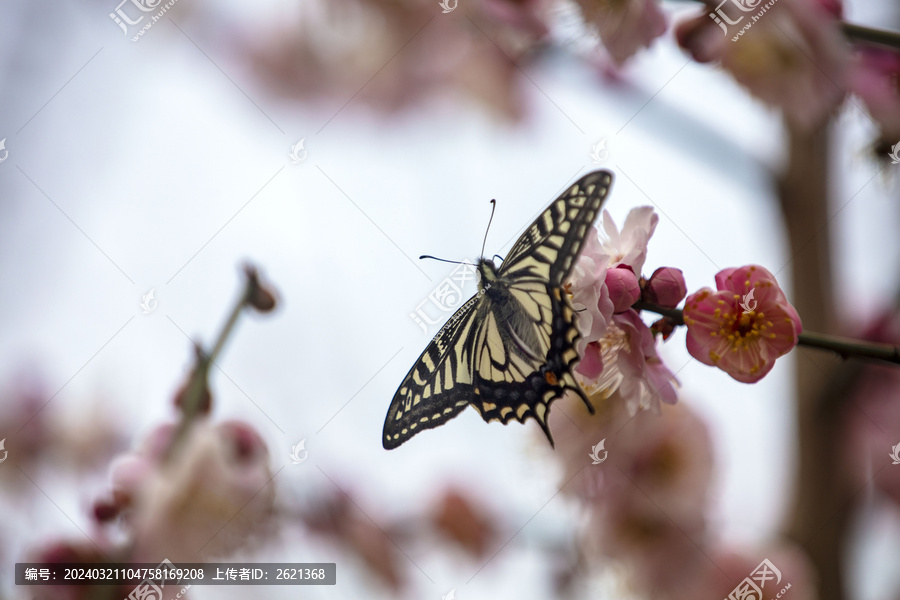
510,350
518,335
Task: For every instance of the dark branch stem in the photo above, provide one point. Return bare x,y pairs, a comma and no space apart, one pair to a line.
198,385
870,35
675,314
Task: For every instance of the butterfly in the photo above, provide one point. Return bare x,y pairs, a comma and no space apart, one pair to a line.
509,351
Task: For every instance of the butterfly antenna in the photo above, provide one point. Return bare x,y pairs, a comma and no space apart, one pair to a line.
493,208
455,262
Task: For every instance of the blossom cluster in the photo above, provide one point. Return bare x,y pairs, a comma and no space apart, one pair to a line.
729,328
618,350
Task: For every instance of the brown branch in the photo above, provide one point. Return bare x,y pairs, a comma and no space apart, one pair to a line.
870,35
196,392
818,519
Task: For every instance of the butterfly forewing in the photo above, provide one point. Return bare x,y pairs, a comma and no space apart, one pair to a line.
510,351
549,247
439,384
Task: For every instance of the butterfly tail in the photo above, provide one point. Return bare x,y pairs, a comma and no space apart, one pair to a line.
545,428
569,383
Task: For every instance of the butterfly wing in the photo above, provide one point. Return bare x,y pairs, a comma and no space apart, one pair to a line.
527,344
549,247
439,384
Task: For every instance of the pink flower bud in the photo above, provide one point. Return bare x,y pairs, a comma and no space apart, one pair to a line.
623,287
666,287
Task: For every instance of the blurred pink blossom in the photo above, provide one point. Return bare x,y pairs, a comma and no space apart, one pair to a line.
875,78
625,26
701,38
76,438
873,416
793,56
208,500
526,16
647,502
744,326
346,519
333,51
725,569
28,430
62,551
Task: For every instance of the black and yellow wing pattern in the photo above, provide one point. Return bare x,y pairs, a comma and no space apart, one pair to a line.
510,350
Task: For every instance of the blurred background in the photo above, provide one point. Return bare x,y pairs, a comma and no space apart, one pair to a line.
332,143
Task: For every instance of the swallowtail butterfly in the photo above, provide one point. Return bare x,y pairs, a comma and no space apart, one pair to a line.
509,351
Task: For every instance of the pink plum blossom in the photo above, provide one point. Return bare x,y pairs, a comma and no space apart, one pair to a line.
590,296
647,380
629,246
587,284
744,326
666,287
618,350
591,364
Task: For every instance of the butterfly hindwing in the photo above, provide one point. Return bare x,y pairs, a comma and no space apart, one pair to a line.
529,392
510,350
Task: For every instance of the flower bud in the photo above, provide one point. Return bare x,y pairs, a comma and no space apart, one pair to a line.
666,287
260,296
623,288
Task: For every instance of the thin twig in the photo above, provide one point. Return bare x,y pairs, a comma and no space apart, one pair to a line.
197,388
870,35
